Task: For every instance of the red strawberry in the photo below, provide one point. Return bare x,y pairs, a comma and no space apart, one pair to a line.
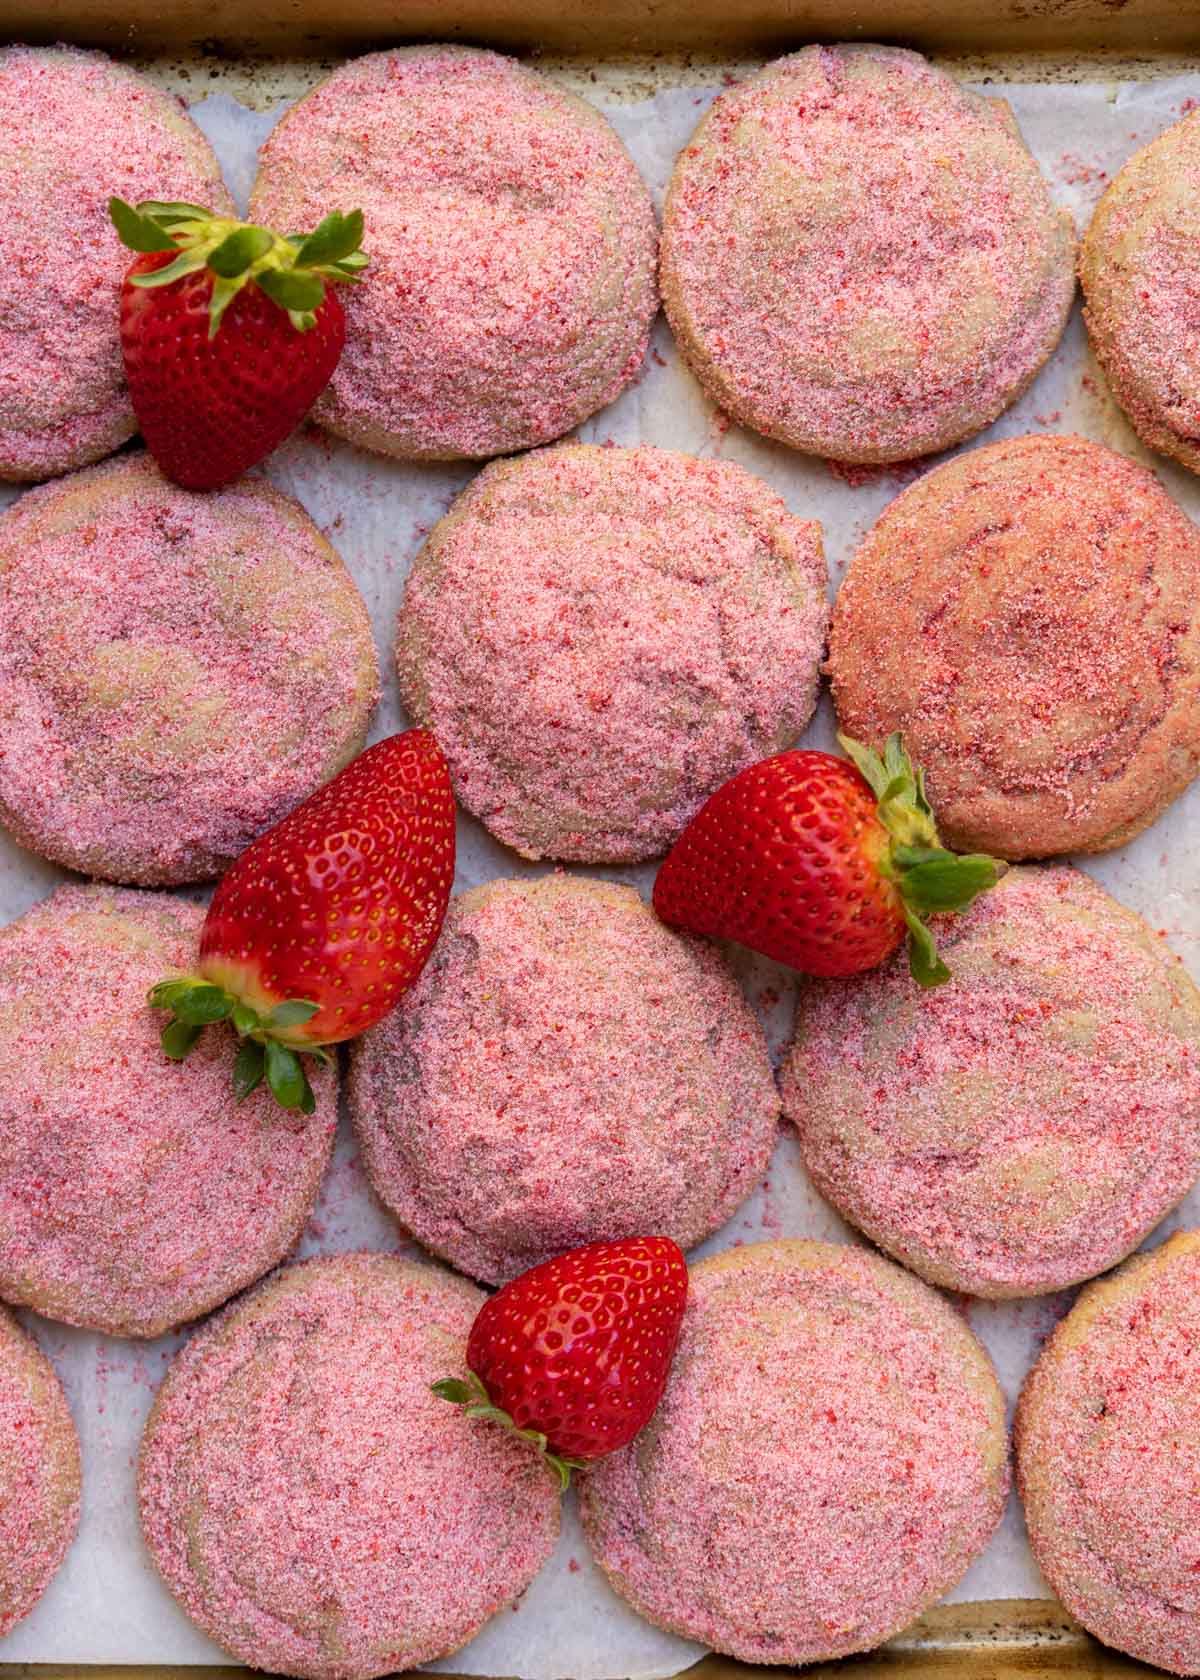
574,1354
821,865
325,919
229,332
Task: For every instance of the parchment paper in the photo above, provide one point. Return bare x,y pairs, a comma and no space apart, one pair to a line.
106,1604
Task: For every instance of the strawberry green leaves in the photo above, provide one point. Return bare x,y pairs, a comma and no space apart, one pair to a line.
929,879
293,272
136,231
195,1004
473,1398
335,241
292,290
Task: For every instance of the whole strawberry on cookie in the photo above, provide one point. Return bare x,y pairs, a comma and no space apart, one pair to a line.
324,920
574,1354
229,332
821,863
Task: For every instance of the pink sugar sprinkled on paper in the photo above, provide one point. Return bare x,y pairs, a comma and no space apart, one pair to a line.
512,245
600,637
177,671
565,1070
135,1192
76,128
827,1460
1025,1126
314,1508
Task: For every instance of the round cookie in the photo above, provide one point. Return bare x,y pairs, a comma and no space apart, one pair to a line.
1140,272
601,637
312,1506
565,1070
135,1192
1028,615
1106,1436
860,257
75,128
512,242
829,1457
1024,1127
39,1473
177,671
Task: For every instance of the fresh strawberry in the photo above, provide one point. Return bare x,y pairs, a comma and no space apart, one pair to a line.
325,919
230,333
574,1354
821,865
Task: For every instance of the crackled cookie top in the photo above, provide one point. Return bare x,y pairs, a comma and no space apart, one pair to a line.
312,1506
1139,265
601,637
1025,1126
76,128
860,258
135,1192
1107,1434
565,1070
1028,615
829,1457
177,671
512,244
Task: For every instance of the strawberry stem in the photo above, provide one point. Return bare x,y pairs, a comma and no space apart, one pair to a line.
195,1004
473,1397
292,271
930,879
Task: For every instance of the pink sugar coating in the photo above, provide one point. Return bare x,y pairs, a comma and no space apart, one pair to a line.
600,637
135,1193
826,1462
1106,1433
39,1474
565,1070
76,128
1027,616
263,672
864,265
310,1503
1023,1127
512,246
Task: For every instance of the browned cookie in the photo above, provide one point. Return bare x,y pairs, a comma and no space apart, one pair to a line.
566,1070
1025,1126
74,128
828,1458
311,1504
135,1192
1107,1440
1140,268
1028,615
859,256
39,1473
512,243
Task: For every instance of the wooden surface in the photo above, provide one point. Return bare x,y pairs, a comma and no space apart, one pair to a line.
996,1639
1003,1639
298,27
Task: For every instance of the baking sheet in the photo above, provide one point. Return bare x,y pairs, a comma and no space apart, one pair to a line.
106,1605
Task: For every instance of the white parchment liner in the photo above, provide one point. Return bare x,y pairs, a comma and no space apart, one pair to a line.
107,1605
